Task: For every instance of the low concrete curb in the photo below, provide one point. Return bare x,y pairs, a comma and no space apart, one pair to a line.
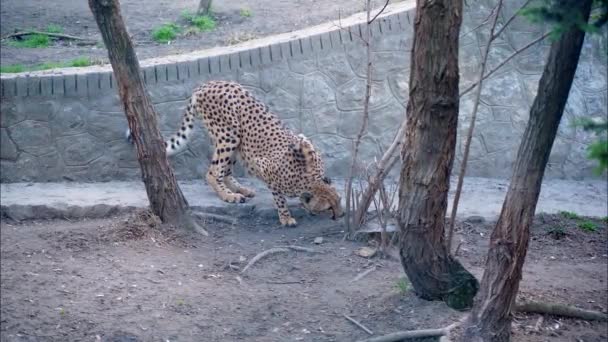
480,197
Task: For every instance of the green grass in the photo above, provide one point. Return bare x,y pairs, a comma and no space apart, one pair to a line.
569,215
245,12
203,23
15,68
31,41
11,69
80,62
165,33
402,285
53,28
588,226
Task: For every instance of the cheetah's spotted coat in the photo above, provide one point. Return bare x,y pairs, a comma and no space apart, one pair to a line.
241,125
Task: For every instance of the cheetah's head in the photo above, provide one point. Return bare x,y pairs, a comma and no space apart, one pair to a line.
322,198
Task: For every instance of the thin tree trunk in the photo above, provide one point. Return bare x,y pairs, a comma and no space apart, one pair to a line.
490,319
428,156
165,196
204,7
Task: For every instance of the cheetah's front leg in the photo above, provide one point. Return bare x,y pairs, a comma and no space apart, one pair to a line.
234,185
284,214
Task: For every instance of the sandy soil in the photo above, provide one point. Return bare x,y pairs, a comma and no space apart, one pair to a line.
126,279
142,17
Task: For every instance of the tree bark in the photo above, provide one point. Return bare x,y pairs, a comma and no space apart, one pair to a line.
490,319
428,155
164,194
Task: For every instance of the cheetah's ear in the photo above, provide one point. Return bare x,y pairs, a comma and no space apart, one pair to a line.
327,180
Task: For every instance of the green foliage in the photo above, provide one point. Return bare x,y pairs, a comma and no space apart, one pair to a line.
31,41
588,226
569,215
53,28
402,285
598,150
563,17
165,33
245,12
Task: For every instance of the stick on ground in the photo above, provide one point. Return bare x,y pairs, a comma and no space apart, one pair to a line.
49,34
263,255
363,274
355,322
561,310
403,335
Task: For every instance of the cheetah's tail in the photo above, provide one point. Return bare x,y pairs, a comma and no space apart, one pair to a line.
178,141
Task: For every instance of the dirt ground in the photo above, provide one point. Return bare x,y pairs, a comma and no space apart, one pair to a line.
142,17
126,279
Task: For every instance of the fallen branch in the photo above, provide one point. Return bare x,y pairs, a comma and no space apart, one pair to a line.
561,310
299,248
262,255
49,34
214,217
355,322
411,334
363,274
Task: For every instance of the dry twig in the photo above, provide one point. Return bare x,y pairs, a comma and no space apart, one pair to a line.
363,274
262,255
355,322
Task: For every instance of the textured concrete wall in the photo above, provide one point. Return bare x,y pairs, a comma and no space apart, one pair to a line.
69,125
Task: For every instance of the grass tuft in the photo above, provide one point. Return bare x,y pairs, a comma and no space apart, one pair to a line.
588,226
31,41
53,28
165,33
245,12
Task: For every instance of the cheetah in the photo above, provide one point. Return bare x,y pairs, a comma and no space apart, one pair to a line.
242,126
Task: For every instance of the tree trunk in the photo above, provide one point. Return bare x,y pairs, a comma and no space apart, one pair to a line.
428,155
204,7
490,319
166,198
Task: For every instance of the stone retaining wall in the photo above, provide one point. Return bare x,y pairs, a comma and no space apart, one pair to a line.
69,125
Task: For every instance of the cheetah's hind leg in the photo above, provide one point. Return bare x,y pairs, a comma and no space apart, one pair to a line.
216,176
233,184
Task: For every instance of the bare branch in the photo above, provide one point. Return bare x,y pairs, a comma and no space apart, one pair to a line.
467,145
503,27
368,91
380,12
384,166
49,34
505,61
